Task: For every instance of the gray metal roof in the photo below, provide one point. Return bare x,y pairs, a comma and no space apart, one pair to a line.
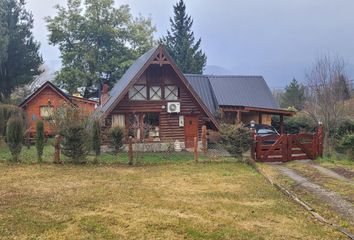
201,85
120,86
248,91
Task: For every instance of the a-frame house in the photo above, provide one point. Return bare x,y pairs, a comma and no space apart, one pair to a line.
154,103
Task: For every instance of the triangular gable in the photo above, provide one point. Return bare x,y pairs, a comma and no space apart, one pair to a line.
40,89
157,55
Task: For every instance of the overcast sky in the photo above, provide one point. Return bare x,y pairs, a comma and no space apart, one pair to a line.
274,38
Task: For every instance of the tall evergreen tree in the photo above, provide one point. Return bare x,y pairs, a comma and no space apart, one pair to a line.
294,96
180,42
98,42
19,52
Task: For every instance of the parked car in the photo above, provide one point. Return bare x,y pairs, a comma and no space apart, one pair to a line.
265,130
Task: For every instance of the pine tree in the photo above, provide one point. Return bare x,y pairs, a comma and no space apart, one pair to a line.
14,137
180,42
294,96
19,52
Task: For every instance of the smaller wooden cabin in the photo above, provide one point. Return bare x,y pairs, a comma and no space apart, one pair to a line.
42,103
238,99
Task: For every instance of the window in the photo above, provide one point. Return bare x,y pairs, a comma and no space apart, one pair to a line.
138,92
46,112
151,126
118,120
171,92
155,93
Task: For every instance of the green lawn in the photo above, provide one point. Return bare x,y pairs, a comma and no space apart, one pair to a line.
170,199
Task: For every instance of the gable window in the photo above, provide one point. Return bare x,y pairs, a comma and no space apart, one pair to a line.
46,112
138,92
155,93
171,92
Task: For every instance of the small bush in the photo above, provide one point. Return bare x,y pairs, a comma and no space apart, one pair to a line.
296,124
72,124
96,138
74,143
116,135
235,139
6,112
346,144
39,139
14,136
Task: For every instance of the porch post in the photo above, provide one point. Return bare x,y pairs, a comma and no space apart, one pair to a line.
238,116
259,118
281,124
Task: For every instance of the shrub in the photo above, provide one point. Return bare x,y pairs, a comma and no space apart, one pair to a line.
39,139
235,139
296,124
346,144
6,112
345,127
14,136
74,143
96,138
116,135
72,124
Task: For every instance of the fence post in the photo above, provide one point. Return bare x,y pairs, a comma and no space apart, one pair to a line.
57,141
258,148
196,149
284,147
290,147
204,139
130,151
254,143
320,139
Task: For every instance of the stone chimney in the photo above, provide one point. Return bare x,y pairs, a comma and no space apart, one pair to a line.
104,94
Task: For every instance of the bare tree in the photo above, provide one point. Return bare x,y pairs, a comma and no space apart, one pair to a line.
325,102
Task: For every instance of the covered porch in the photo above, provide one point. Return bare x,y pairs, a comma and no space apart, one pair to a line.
244,115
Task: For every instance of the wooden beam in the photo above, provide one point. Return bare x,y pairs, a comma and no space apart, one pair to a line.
238,116
259,118
281,124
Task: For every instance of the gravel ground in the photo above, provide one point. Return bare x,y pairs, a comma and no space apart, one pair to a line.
336,202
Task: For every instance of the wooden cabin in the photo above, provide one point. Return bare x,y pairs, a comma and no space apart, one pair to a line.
42,103
155,104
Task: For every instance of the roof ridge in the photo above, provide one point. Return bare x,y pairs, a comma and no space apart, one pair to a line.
222,75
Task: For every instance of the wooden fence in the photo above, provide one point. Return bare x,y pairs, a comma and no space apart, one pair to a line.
288,147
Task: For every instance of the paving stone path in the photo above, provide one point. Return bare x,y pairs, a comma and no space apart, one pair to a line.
335,201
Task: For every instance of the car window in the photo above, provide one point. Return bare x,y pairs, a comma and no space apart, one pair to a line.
265,131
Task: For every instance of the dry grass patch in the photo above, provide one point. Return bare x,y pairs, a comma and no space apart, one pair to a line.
170,201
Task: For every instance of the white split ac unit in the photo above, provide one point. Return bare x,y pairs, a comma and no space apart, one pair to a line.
173,107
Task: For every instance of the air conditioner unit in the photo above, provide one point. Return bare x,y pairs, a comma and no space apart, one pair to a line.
173,107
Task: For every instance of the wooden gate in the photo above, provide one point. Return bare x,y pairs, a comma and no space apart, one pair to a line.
288,147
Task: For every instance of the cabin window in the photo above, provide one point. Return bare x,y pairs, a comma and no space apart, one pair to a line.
151,126
118,120
46,112
171,92
155,93
138,92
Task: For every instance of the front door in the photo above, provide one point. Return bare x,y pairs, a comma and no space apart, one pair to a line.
190,130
